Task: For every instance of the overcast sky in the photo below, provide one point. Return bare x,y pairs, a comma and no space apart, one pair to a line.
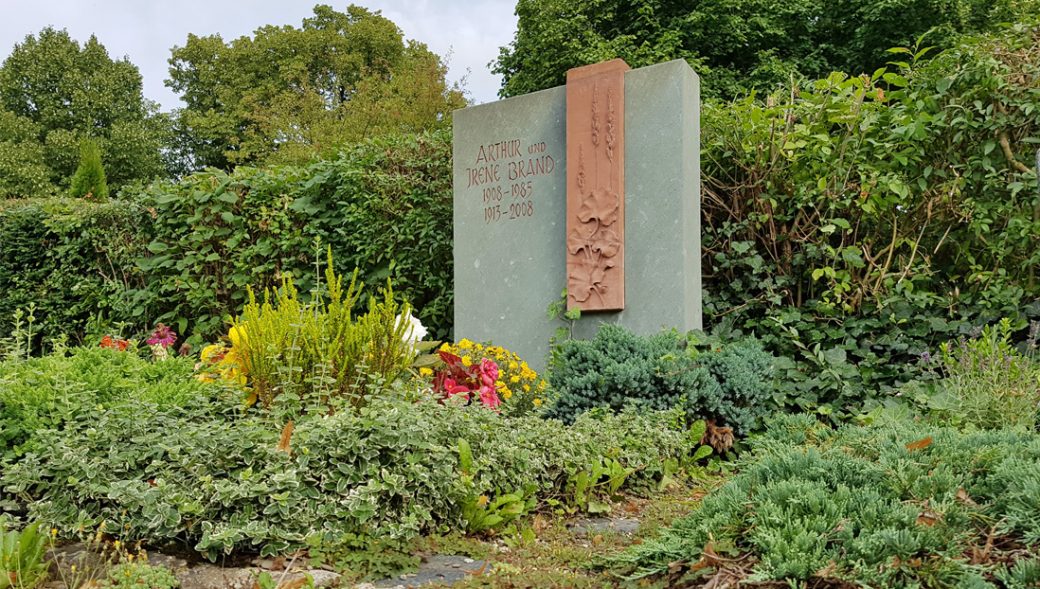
467,32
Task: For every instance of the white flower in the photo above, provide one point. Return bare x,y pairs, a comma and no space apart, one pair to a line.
414,331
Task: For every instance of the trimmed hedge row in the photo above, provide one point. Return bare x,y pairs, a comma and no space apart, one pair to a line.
184,253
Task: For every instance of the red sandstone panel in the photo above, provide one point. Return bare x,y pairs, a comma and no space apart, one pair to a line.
596,186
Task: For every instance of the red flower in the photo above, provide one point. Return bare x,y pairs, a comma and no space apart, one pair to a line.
458,379
110,343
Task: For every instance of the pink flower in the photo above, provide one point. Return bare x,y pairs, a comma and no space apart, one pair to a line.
453,388
162,336
489,397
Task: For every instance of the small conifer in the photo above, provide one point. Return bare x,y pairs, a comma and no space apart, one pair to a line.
89,179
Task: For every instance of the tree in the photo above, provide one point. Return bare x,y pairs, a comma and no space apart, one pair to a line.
736,45
89,179
289,94
23,165
69,93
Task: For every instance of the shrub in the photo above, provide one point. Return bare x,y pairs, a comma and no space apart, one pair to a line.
898,503
384,206
387,472
730,384
52,391
853,223
319,352
75,261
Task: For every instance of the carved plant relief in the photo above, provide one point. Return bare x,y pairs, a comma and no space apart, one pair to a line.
595,238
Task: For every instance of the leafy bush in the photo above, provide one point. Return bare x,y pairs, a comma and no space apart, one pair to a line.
728,383
898,503
856,222
387,472
55,390
75,261
384,206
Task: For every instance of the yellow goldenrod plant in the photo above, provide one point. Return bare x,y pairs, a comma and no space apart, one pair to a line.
315,353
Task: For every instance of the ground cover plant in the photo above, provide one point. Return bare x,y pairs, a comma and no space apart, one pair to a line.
50,392
218,482
898,503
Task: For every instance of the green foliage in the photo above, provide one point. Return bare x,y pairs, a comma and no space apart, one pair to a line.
23,162
895,504
202,475
21,557
859,222
735,45
482,513
75,261
728,383
140,575
55,390
986,382
59,93
318,355
89,179
383,206
288,94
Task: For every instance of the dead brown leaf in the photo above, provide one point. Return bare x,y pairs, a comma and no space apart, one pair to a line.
919,444
283,443
719,438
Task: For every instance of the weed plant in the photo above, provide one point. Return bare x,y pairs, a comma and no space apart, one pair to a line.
988,382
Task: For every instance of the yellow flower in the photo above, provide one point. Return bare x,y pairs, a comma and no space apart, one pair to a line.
537,402
506,393
514,379
424,371
482,500
465,344
513,365
541,385
445,347
499,384
527,388
478,347
466,361
211,351
237,335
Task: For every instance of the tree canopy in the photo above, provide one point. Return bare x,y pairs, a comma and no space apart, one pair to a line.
736,45
54,94
289,94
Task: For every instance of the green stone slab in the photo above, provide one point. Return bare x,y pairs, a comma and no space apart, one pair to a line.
510,262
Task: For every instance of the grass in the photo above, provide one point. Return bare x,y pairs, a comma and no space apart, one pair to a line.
555,555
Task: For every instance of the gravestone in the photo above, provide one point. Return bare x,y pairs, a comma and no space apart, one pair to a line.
511,213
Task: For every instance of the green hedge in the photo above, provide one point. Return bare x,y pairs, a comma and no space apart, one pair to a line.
72,260
383,206
184,253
